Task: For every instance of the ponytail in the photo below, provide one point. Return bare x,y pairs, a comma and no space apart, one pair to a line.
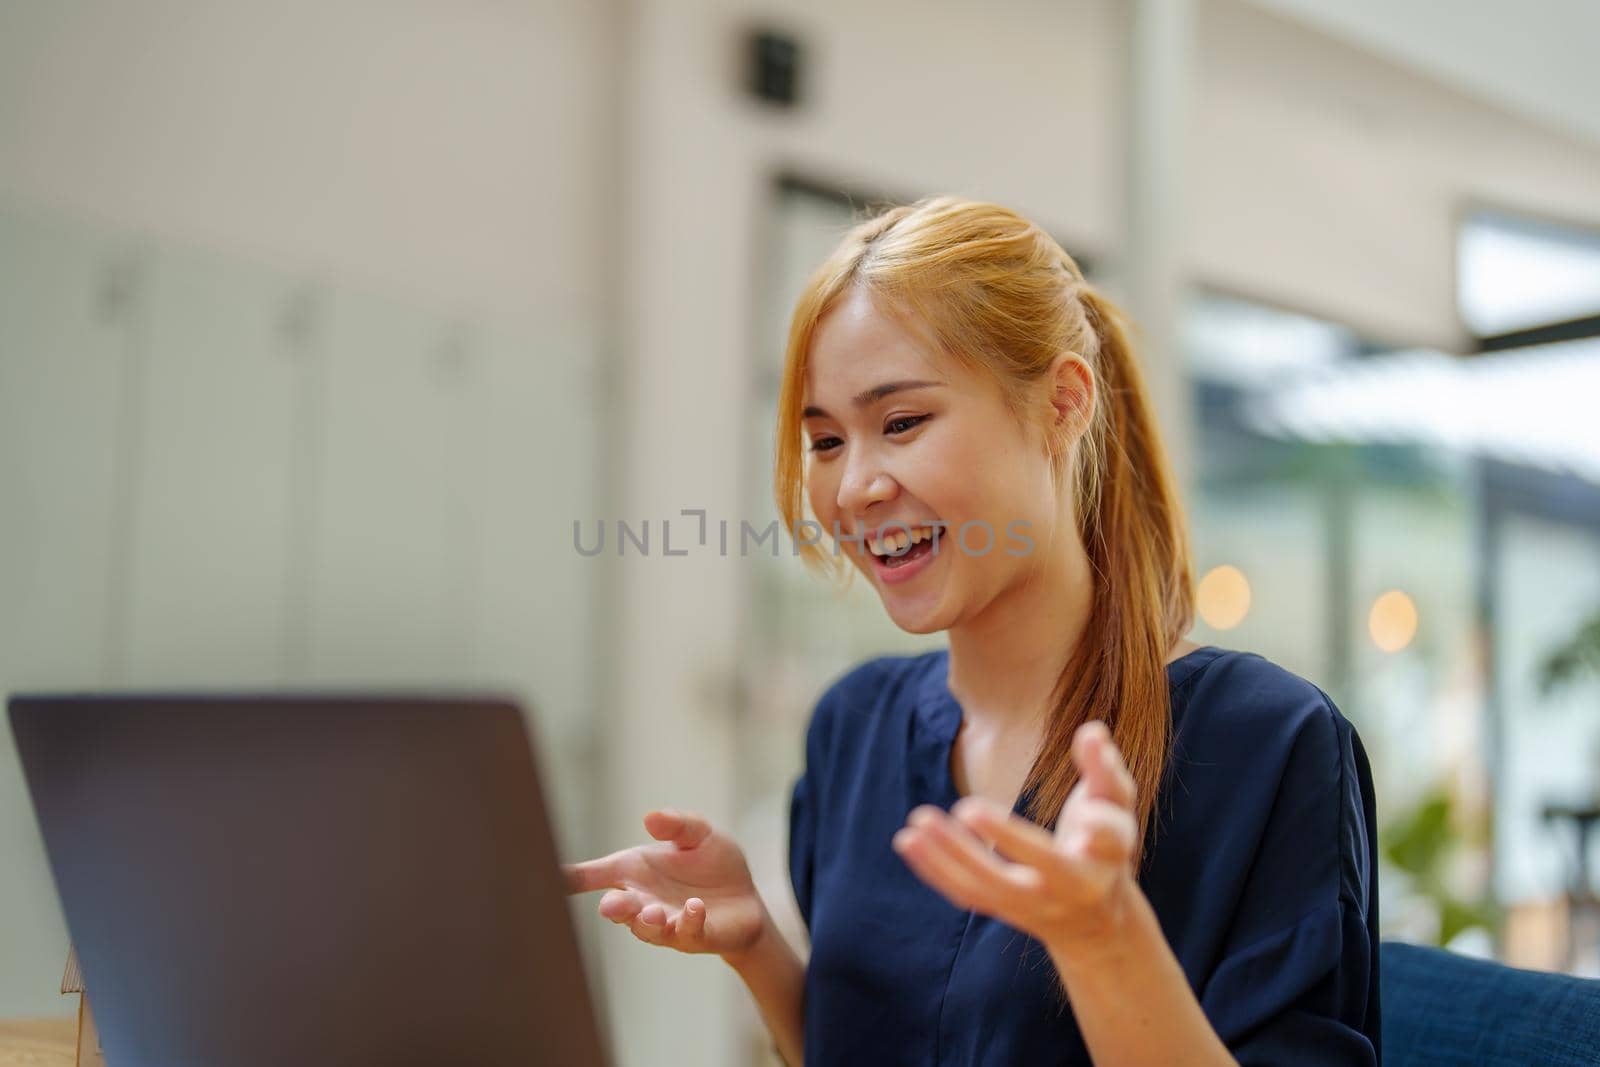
1133,532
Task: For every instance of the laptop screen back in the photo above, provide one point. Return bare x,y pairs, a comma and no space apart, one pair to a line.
308,879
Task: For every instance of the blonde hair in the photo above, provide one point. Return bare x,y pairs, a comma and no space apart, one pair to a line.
997,293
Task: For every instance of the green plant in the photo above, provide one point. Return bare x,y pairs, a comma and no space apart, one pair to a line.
1420,842
1575,658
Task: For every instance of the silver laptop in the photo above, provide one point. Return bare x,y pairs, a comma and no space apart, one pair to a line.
308,879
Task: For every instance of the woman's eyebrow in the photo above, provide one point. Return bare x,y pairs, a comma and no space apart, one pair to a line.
873,395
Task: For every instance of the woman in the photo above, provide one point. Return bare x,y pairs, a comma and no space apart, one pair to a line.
1073,836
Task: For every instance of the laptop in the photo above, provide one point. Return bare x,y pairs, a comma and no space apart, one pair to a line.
270,879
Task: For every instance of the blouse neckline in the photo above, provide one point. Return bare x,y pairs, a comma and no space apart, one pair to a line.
939,713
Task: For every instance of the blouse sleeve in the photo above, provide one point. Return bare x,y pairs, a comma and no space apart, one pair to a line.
808,812
1297,981
802,846
809,790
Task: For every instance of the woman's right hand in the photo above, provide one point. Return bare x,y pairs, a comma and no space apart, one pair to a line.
692,892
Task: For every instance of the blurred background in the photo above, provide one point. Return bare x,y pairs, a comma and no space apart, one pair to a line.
322,325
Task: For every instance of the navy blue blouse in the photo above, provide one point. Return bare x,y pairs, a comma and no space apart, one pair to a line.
1262,872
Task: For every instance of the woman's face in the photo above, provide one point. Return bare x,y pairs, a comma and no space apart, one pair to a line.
897,432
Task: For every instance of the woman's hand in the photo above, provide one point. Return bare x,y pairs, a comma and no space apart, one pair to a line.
1064,889
693,892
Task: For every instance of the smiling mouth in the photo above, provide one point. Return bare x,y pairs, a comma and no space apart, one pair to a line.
910,555
899,547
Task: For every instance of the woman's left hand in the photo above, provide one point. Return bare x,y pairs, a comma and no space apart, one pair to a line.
1066,889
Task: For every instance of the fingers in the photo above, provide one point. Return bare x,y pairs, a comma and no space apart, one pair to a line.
629,909
1097,829
934,867
1016,838
688,926
620,905
948,857
653,925
1102,831
650,925
684,829
691,922
1100,764
651,922
602,873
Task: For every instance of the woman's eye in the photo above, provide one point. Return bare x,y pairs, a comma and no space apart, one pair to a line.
895,426
904,423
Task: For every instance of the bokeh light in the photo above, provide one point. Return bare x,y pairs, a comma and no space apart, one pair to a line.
1224,597
1392,622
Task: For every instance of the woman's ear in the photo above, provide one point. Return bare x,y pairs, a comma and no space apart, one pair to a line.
1071,395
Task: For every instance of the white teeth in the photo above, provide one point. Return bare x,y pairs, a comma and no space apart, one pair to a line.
895,541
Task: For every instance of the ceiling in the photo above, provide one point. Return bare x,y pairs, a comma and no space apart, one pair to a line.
1533,57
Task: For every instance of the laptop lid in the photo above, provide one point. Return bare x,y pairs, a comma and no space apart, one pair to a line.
334,879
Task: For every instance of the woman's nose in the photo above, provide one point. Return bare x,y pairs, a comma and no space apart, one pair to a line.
863,486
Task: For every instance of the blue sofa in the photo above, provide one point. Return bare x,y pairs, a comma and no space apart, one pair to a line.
1442,1010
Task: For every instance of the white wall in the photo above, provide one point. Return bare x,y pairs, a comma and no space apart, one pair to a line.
441,150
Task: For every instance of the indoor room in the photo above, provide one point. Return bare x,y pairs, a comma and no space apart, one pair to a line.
452,353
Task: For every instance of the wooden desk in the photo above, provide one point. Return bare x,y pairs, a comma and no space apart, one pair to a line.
38,1042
